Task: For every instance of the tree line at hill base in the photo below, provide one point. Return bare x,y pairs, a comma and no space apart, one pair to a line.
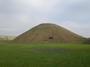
87,41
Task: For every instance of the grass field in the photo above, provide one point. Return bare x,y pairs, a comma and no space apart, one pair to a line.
44,55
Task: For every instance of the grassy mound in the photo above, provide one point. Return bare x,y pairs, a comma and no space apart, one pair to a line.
49,33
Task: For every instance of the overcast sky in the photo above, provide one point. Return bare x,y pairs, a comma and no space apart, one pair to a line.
18,16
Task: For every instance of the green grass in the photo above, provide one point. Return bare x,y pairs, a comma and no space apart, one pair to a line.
44,55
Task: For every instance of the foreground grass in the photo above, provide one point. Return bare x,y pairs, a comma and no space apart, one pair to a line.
44,55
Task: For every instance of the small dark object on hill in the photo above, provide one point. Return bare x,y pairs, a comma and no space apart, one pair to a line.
50,37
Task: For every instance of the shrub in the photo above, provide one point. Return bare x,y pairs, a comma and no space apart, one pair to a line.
87,41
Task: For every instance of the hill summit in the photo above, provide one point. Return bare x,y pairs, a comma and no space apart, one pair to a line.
47,32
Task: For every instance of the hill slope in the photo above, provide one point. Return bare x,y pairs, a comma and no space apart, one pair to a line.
48,32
